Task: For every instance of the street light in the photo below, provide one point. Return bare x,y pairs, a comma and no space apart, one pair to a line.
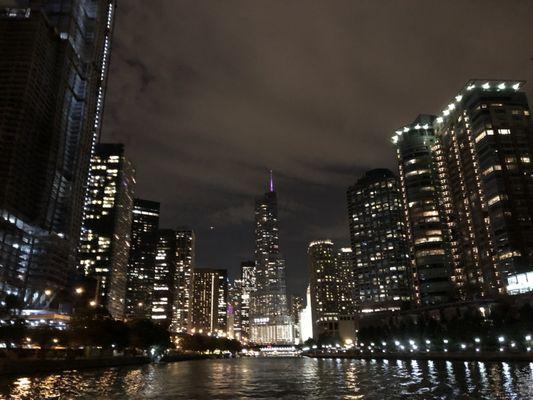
47,292
501,339
92,303
477,340
79,290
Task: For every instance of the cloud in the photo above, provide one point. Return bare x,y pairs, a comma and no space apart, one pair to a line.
208,96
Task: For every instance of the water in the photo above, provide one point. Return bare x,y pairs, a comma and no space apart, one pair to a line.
284,378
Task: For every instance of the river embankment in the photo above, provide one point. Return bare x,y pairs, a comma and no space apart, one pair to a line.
434,356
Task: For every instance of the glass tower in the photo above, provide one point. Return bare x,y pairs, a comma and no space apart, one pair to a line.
58,95
270,319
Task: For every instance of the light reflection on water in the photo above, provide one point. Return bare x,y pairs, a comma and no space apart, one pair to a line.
287,378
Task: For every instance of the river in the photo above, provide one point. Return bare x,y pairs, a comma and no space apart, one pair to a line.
283,378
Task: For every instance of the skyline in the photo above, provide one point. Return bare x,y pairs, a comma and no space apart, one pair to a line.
213,95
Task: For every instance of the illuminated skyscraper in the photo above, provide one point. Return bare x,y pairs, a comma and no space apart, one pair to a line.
429,238
54,57
105,238
466,180
164,289
210,294
235,309
185,260
324,284
347,281
485,151
379,242
270,321
247,286
141,264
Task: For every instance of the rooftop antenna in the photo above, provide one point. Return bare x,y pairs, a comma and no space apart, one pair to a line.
271,182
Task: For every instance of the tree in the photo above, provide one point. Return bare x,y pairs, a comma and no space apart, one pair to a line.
143,334
14,332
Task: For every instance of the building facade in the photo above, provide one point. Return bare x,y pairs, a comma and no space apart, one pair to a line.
467,175
270,320
324,286
210,294
105,236
485,149
248,286
141,263
379,242
164,288
433,270
347,282
235,309
185,262
52,85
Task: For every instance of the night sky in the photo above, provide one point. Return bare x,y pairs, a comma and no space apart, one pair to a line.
210,95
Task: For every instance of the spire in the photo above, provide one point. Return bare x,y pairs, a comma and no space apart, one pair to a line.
271,182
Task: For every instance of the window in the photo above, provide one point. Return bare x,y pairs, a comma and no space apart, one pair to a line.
483,134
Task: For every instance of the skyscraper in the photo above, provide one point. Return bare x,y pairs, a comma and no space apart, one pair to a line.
141,264
379,242
210,294
105,235
164,290
247,286
270,321
324,285
235,309
433,270
53,87
347,282
474,167
185,262
296,307
485,151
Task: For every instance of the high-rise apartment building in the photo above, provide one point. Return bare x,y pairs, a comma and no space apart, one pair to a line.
247,287
432,268
485,151
270,321
235,309
164,288
474,161
106,230
323,282
379,242
141,264
52,89
347,282
210,294
185,261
